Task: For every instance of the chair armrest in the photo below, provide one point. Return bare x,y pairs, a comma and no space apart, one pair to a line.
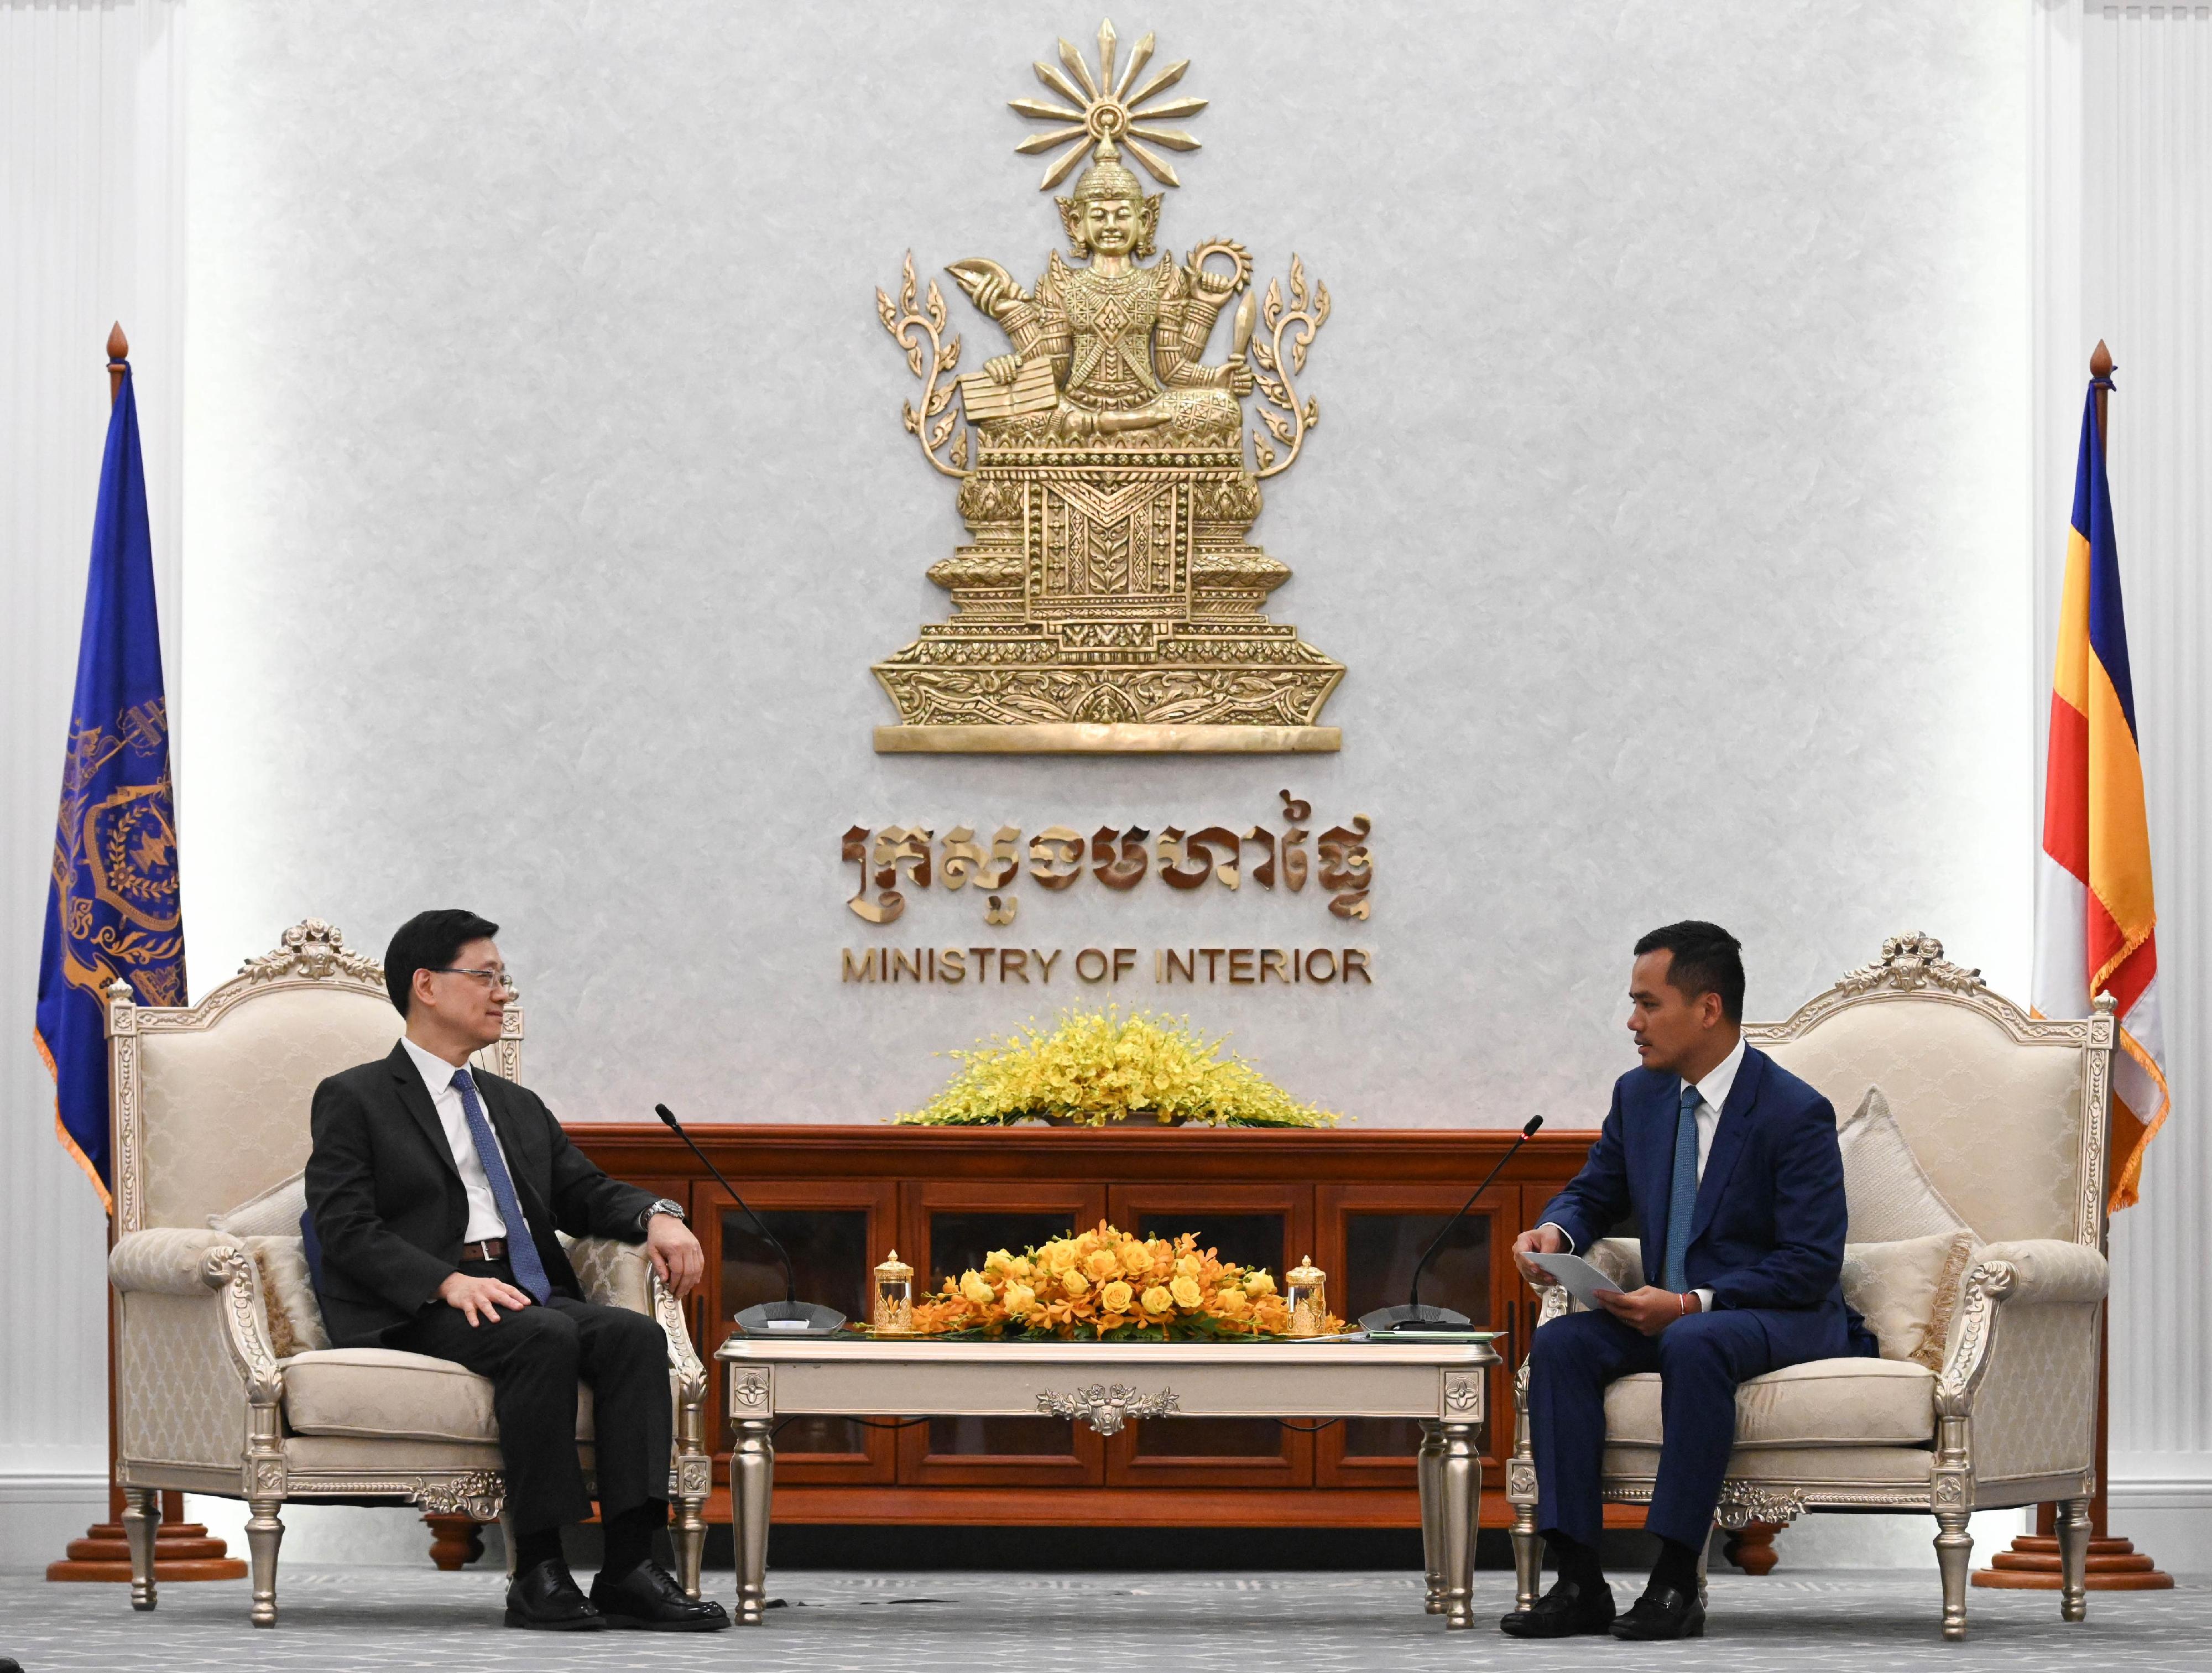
166,1260
615,1274
2046,1270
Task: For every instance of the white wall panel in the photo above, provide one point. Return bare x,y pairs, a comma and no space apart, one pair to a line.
91,117
548,501
2145,285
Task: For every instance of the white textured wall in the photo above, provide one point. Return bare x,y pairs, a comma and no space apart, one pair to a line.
547,501
2125,188
91,115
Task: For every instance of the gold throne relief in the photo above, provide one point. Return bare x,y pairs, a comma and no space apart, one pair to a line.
1111,599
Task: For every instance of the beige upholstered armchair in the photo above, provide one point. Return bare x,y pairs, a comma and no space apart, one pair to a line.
1995,1129
224,1383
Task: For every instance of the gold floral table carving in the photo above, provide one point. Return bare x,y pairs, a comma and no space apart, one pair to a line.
1442,1385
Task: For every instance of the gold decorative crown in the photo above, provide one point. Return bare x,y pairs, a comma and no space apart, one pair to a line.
1103,114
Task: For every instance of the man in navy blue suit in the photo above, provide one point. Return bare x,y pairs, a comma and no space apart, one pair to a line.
1729,1164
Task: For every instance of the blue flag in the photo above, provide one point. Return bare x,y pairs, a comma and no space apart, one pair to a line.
112,911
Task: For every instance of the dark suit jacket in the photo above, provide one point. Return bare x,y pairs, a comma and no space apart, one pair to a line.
387,1201
1768,1230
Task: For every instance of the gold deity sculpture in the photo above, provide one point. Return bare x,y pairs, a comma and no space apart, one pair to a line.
1111,599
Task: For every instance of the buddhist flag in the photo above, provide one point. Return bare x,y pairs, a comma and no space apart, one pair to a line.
2094,915
112,904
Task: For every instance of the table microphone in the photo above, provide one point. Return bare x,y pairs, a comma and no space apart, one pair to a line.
790,1316
1414,1316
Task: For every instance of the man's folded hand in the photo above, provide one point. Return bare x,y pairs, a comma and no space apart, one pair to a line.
1648,1310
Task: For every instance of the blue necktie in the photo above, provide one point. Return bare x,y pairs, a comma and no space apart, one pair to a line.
1682,1196
521,1247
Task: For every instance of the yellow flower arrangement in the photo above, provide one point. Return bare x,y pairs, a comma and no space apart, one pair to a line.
1145,1289
1100,1067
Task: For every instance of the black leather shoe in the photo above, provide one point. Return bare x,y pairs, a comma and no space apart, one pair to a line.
1569,1610
1663,1612
648,1600
546,1599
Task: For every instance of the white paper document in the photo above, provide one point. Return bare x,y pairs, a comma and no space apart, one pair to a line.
1583,1280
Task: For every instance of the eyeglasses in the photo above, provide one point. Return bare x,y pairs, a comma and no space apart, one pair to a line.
494,980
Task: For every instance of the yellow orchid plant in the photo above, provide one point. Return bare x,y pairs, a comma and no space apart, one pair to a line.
1106,1285
1103,1066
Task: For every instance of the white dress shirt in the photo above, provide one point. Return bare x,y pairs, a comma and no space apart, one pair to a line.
1712,1095
484,1221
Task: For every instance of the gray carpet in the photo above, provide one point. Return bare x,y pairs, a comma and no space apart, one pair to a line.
394,1618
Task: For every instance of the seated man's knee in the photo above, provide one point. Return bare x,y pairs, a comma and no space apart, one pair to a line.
544,1332
1564,1340
1701,1336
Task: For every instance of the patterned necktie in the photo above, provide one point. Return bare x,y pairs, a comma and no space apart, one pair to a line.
521,1247
1682,1196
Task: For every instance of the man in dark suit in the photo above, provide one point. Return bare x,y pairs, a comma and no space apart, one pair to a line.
1729,1164
434,1195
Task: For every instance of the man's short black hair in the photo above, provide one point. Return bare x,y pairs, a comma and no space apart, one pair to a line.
1707,960
427,941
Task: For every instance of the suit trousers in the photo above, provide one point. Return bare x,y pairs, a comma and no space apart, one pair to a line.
1699,1359
534,1358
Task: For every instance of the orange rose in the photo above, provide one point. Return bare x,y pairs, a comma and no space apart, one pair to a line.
1135,1257
1100,1264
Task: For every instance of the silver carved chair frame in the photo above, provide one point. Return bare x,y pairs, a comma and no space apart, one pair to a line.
2007,1113
211,1106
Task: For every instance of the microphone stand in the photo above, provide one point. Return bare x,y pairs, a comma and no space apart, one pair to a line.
1414,1316
790,1316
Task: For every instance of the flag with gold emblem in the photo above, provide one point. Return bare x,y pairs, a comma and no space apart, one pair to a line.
112,911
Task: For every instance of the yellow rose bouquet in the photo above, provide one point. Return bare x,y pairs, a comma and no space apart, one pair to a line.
1100,1067
1106,1285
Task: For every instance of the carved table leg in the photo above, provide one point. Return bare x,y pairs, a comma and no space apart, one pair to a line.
2074,1529
265,1532
455,1541
1426,1463
752,1471
142,1521
1459,1472
1751,1548
1954,1552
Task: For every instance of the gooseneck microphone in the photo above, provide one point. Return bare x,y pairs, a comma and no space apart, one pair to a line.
790,1316
1414,1316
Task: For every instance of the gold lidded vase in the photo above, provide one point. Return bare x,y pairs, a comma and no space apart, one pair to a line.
1305,1293
894,1309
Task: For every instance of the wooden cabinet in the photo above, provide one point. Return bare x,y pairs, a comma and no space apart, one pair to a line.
1363,1204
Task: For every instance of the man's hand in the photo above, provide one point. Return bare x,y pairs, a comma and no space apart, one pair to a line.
1650,1309
481,1296
1544,1240
675,1253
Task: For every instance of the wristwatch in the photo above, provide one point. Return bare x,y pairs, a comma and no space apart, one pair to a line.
659,1206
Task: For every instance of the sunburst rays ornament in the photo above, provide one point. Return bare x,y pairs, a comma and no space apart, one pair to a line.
1103,106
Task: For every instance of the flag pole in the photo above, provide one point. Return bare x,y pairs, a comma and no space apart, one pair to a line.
2032,1564
182,1550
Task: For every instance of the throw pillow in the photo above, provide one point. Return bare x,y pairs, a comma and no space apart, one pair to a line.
1889,1193
1906,1291
274,1214
296,1322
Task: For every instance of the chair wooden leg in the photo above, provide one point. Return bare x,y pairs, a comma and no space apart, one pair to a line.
687,1532
455,1541
1955,1554
2073,1530
264,1533
141,1523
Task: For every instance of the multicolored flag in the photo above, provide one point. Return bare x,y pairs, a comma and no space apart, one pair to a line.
112,911
2094,920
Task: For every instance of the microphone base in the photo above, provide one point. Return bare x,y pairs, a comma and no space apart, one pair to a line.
1384,1320
791,1318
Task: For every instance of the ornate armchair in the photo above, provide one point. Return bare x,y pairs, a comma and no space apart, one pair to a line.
2005,1114
211,1108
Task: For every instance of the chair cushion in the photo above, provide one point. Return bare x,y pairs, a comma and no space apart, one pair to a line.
294,1319
1888,1193
1823,1402
274,1214
1906,1291
380,1393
